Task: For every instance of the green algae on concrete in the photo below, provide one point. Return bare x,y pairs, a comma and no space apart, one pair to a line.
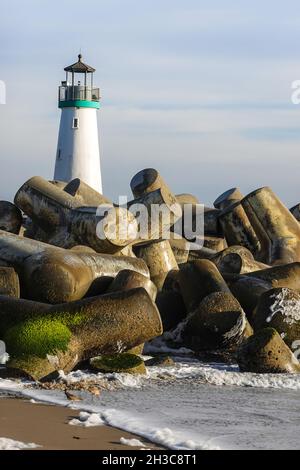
126,363
46,339
38,337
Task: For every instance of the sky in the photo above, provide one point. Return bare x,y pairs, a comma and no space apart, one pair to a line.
198,89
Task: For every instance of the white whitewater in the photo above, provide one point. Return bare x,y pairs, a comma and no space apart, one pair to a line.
191,405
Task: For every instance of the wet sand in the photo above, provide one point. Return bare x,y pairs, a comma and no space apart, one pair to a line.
47,426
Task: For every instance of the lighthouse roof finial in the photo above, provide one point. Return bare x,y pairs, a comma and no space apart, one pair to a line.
79,67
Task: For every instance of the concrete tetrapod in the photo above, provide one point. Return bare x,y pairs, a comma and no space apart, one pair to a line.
199,279
296,211
147,181
218,323
10,217
186,198
280,309
60,337
128,279
276,228
238,229
9,282
127,363
238,260
84,194
171,308
55,275
160,259
247,290
228,198
67,223
285,275
266,352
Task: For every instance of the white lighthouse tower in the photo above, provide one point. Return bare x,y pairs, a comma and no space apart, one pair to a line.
78,145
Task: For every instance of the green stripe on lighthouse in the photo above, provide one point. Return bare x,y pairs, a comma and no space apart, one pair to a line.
79,104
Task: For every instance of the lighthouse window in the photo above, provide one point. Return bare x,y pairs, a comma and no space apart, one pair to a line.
75,123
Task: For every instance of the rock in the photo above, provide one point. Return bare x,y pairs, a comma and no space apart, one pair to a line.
55,275
228,198
161,361
121,363
280,309
9,282
66,223
159,258
199,279
41,343
10,217
266,352
219,322
128,279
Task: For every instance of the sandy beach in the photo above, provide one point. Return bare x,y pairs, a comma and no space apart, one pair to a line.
47,426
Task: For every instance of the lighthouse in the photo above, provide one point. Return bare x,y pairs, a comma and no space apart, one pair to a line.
78,153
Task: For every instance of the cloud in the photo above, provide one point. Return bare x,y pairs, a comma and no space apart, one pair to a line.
200,89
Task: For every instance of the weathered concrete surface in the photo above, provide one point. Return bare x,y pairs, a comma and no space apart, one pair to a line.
228,198
265,352
160,211
10,217
84,194
147,181
159,258
278,231
128,279
237,259
199,279
214,243
62,217
171,308
280,309
287,275
180,247
56,275
295,210
219,322
61,336
248,290
238,229
9,282
186,198
121,363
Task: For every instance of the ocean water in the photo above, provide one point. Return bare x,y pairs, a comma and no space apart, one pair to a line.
191,405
